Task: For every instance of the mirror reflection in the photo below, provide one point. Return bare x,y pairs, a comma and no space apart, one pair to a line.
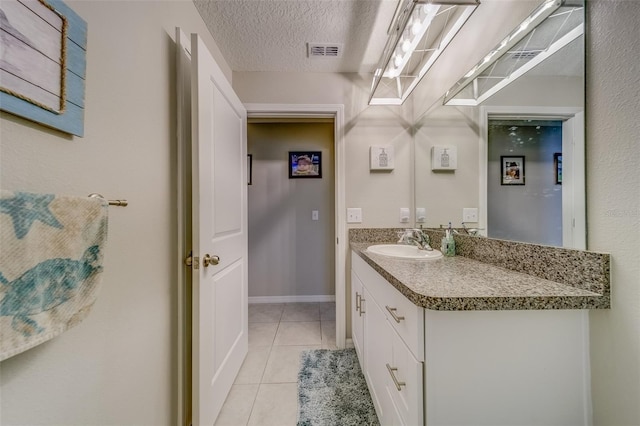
520,151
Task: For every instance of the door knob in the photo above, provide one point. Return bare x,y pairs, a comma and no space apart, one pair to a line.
210,260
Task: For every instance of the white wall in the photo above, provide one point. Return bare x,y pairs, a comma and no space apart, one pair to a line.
119,366
289,253
542,91
380,195
445,193
613,204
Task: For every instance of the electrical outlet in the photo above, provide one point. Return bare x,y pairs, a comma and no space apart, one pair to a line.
421,214
470,215
314,214
354,215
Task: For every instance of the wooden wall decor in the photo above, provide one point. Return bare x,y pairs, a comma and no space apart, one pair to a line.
43,63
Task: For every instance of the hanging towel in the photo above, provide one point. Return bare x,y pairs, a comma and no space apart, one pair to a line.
51,250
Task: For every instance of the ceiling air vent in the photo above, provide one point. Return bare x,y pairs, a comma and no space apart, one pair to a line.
525,54
324,50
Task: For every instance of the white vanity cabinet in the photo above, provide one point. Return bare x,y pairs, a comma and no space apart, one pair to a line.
386,328
473,367
357,319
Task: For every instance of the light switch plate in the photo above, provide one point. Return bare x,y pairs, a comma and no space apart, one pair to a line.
470,214
354,215
314,214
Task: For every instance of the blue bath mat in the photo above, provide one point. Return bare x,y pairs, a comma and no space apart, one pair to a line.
332,390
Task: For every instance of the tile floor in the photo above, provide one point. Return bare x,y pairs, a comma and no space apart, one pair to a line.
266,389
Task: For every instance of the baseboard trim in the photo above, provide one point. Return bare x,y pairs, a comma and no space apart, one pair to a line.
349,343
292,299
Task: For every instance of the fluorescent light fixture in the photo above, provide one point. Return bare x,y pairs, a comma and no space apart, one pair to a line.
549,28
420,32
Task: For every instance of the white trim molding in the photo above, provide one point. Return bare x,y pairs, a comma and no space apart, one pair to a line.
293,299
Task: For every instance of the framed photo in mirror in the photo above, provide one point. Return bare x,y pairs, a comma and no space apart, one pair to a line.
557,166
512,170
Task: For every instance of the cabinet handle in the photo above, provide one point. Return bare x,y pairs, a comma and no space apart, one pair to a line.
358,299
393,377
392,311
361,311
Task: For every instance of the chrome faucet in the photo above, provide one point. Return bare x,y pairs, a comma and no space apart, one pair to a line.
415,237
471,231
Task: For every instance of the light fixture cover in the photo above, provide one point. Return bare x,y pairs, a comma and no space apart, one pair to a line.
552,26
420,32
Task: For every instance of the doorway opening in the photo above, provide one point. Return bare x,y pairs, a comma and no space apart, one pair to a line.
290,211
334,115
524,186
559,166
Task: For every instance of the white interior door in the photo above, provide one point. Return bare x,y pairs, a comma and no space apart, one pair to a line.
219,151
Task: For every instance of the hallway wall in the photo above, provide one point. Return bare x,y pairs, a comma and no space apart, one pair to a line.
290,255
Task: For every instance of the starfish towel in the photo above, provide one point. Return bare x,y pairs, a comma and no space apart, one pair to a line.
51,250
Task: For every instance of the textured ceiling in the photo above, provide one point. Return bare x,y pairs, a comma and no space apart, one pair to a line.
272,35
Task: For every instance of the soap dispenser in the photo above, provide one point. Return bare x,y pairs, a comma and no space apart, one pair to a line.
448,244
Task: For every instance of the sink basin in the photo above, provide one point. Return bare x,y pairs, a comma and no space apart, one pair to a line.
404,251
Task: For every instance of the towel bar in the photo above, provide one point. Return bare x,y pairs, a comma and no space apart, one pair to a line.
119,203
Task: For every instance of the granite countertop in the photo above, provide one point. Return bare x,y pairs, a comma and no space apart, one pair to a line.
461,283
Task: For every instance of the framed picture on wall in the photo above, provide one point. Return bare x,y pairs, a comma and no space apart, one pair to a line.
557,166
512,170
305,164
43,64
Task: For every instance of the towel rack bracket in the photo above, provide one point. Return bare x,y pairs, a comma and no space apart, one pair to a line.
119,203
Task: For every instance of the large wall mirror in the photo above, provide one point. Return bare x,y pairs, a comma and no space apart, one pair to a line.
515,123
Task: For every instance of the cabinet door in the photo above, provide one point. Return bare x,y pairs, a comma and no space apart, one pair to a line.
393,417
405,378
377,352
357,318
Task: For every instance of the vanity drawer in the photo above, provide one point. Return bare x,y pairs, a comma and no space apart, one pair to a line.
404,383
406,318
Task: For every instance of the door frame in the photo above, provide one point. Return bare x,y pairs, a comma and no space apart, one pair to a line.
577,191
183,227
335,111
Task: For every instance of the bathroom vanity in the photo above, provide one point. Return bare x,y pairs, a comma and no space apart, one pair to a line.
457,341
